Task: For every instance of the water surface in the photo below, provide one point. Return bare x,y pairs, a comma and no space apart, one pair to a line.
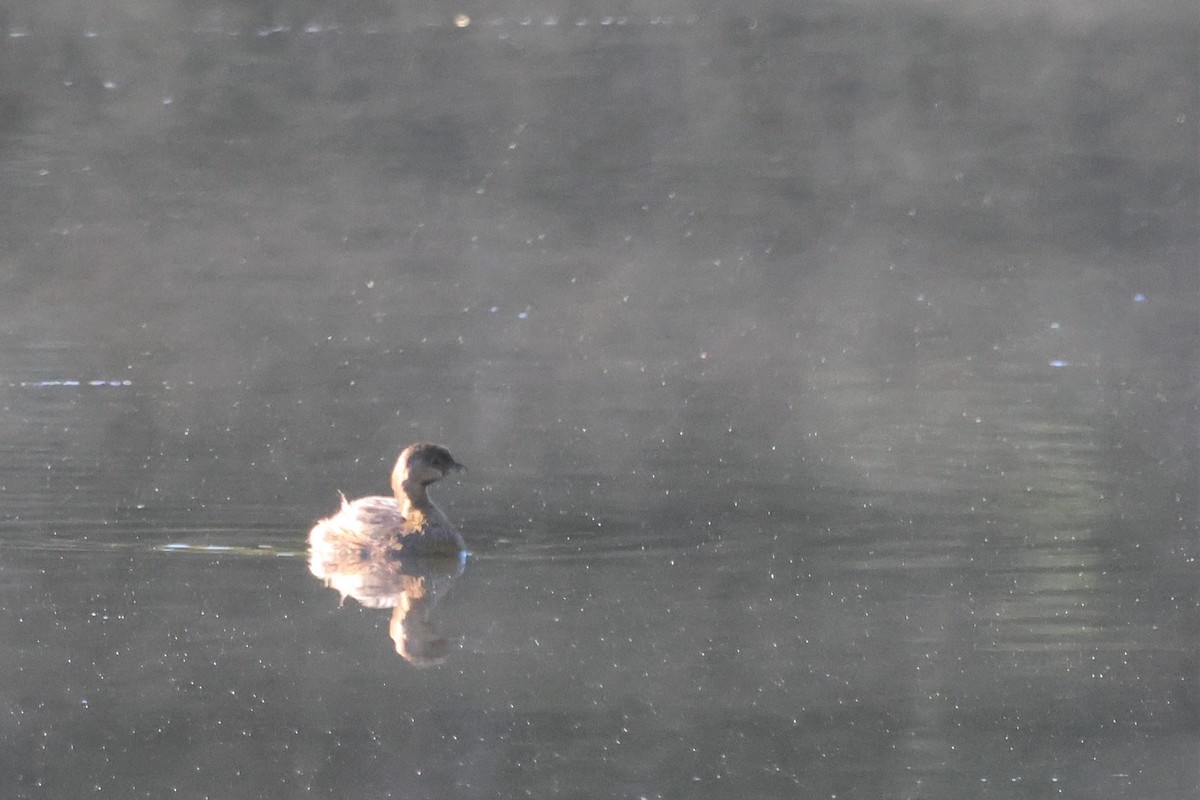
827,379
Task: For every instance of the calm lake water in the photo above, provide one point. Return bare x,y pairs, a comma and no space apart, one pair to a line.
827,376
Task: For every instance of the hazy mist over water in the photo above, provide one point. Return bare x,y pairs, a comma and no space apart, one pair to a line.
827,374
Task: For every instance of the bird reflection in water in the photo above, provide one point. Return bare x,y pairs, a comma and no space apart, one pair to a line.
411,588
396,552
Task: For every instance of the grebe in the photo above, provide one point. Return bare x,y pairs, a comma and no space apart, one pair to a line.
369,530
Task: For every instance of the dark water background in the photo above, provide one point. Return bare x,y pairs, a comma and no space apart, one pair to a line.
827,373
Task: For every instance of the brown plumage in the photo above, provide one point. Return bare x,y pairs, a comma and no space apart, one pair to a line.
373,530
